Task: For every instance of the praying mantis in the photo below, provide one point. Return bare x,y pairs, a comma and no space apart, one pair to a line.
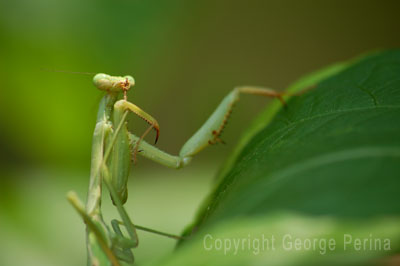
114,147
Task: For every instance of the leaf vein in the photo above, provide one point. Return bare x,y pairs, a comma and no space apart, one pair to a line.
337,112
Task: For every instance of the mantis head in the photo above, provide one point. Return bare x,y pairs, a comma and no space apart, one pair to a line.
113,84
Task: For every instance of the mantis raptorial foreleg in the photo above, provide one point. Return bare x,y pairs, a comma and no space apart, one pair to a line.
121,155
208,134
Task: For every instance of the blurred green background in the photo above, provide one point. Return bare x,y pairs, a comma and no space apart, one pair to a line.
185,56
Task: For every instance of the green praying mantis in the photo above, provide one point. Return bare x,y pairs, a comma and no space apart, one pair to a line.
113,149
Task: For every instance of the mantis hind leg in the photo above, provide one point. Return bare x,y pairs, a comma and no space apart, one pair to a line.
97,234
122,246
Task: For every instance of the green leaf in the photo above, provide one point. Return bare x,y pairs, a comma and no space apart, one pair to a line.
333,154
335,150
289,239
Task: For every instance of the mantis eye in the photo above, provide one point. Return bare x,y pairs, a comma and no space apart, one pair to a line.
102,81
